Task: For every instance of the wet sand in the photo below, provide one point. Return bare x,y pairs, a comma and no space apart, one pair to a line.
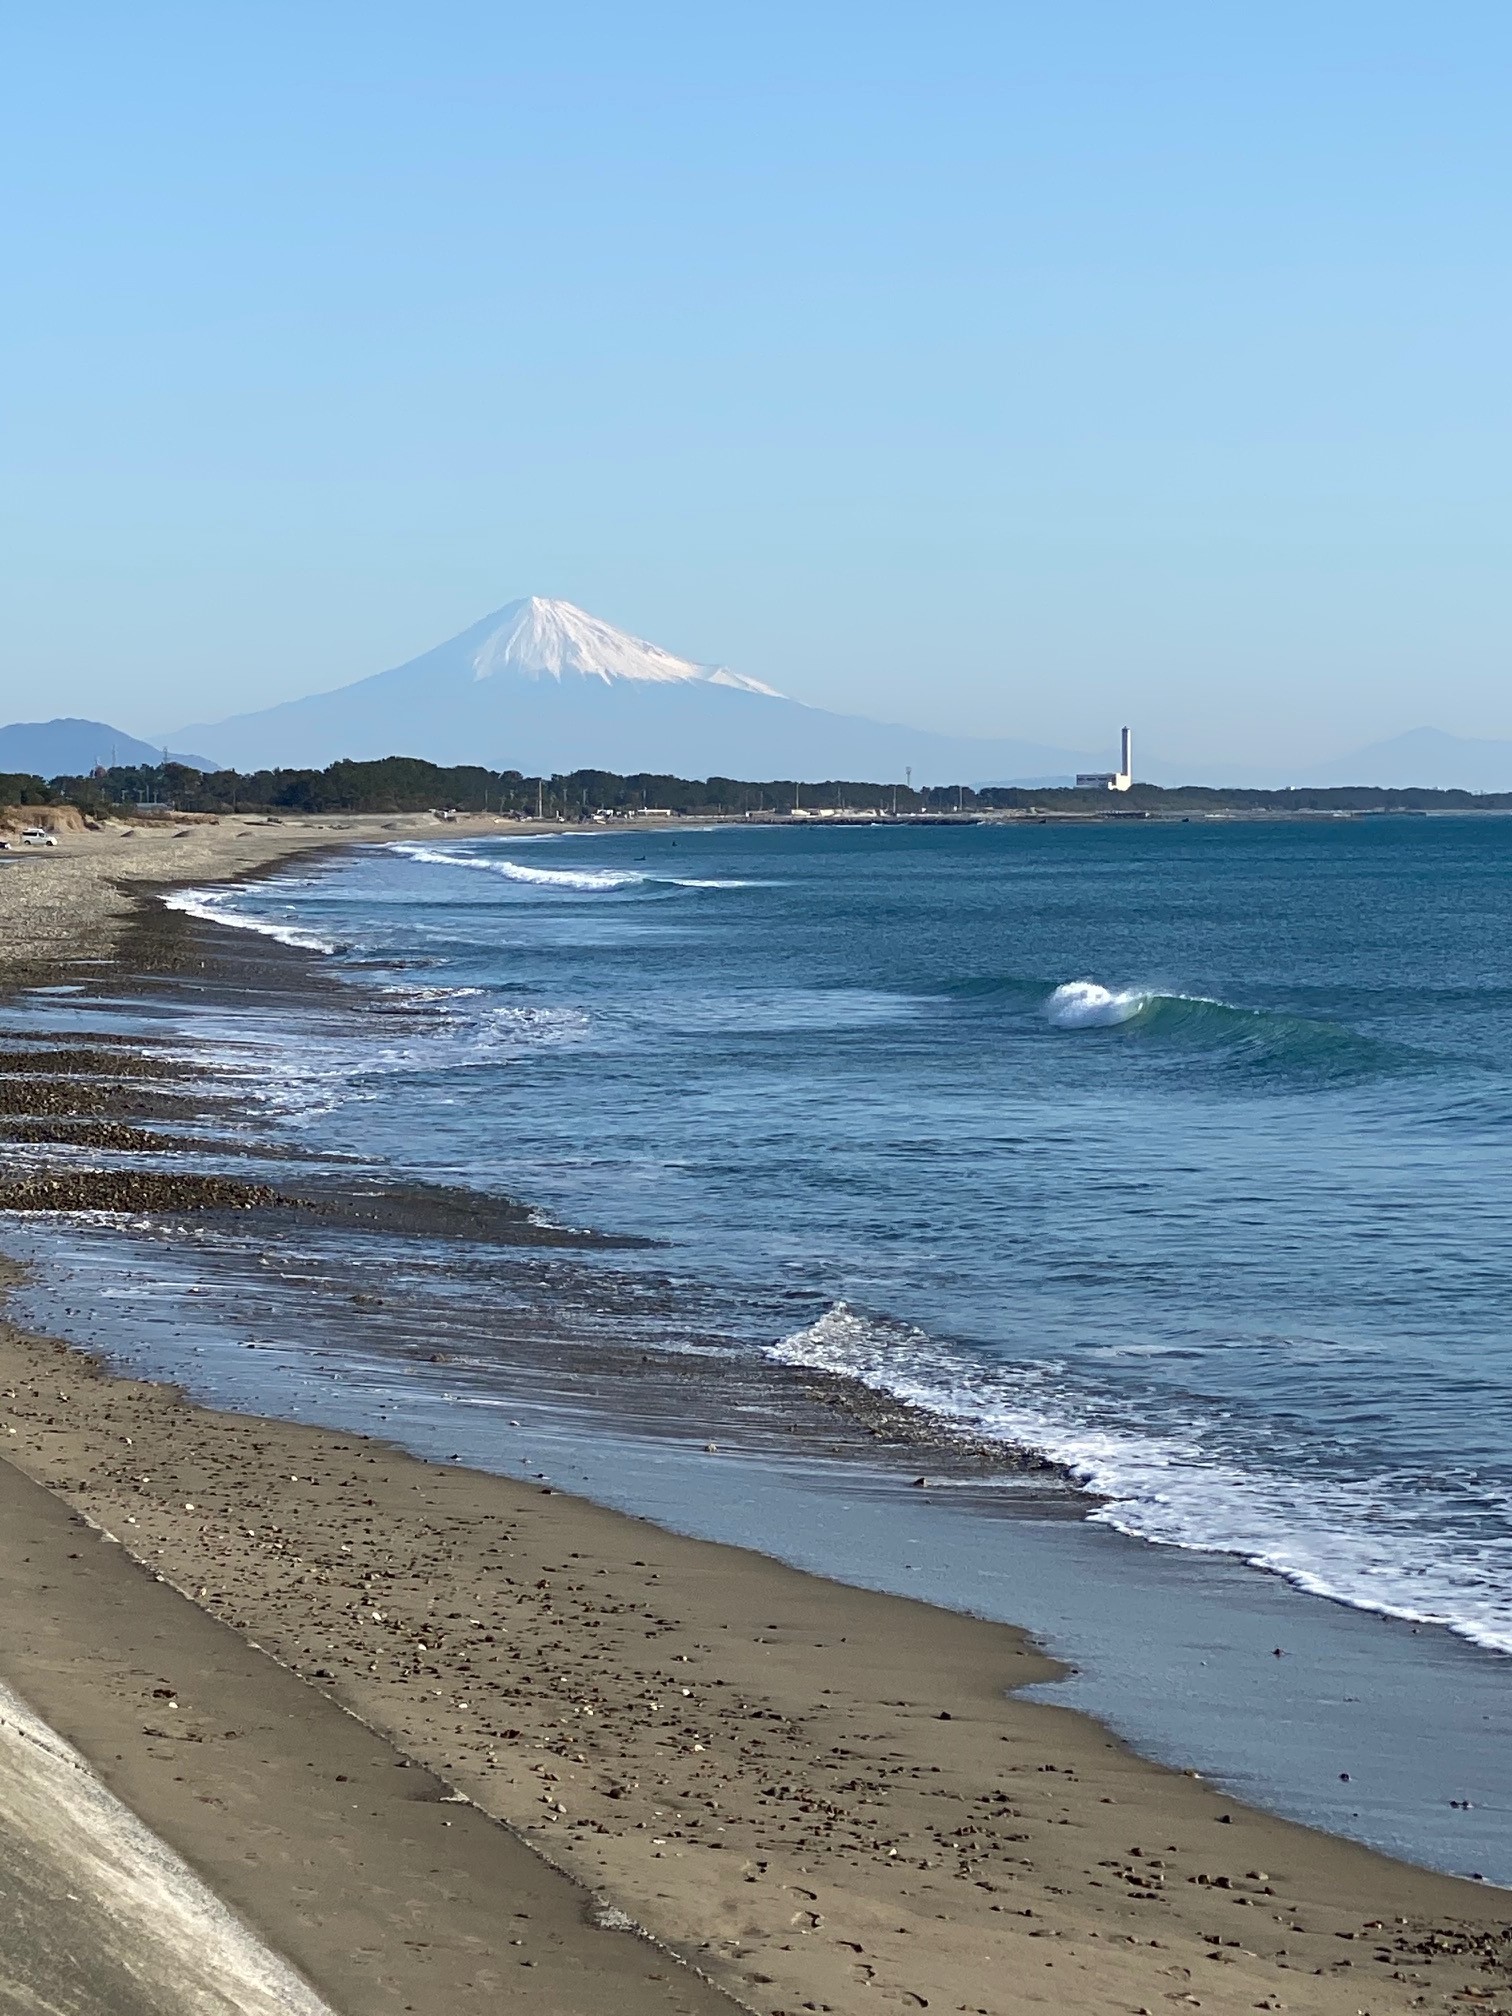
822,1799
355,1862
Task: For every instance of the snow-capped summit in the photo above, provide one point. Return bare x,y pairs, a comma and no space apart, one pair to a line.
540,638
542,686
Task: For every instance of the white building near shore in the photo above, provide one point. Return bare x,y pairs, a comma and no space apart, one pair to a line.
1111,780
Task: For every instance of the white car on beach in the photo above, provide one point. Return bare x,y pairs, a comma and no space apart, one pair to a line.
38,836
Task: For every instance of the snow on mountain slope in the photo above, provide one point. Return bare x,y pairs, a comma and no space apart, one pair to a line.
541,686
538,638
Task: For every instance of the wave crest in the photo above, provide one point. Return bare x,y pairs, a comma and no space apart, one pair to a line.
1271,1046
588,880
210,907
1083,1004
517,871
1430,1551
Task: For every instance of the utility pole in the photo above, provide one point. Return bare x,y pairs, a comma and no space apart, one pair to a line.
540,789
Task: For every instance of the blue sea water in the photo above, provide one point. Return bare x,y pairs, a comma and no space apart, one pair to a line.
1176,1151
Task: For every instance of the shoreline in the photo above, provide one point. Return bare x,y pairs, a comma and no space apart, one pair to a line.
385,1892
69,907
1104,1891
675,1723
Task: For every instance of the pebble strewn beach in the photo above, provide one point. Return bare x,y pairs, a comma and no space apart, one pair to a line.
819,1798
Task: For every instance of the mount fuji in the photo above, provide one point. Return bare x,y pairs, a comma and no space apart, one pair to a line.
541,686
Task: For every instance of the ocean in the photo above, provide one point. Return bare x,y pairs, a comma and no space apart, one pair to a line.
1176,1152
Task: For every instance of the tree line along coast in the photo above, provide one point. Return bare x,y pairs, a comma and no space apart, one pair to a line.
407,784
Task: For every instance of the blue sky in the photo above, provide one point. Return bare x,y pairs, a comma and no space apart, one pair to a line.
1012,369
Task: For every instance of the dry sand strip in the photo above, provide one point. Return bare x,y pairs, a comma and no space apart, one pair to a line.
823,1796
356,1864
100,1918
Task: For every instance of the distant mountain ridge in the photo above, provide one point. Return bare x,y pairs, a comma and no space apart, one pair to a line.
541,686
1425,757
544,687
68,747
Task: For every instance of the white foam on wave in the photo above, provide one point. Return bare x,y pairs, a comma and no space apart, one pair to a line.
321,1073
517,1022
586,879
211,907
711,882
570,878
1402,1547
518,871
420,995
1083,1004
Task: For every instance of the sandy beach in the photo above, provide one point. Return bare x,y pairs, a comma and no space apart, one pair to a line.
435,1734
67,905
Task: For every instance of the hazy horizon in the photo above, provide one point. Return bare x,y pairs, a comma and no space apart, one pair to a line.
1423,757
1008,374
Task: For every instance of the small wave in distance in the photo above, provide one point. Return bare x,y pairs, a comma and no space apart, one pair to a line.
588,880
1269,1045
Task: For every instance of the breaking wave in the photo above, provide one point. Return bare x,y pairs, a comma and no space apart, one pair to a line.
211,906
587,879
1266,1043
1082,1004
517,871
1428,1550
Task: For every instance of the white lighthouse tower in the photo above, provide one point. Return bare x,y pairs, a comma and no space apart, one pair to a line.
1112,780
